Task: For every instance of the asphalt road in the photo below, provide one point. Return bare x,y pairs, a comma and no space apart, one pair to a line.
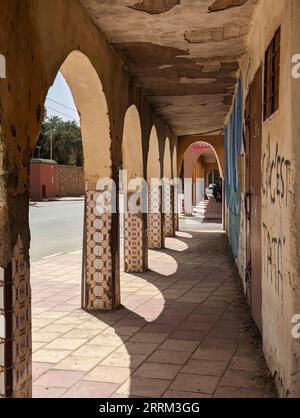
56,227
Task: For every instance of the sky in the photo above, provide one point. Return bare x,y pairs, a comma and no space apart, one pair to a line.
60,101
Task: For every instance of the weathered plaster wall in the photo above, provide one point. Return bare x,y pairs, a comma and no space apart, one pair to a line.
295,248
280,277
70,181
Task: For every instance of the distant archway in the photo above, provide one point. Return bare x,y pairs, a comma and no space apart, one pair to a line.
153,162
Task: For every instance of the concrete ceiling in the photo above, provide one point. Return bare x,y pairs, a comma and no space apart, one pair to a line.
183,53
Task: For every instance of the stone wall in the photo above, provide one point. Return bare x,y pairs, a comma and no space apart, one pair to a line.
70,181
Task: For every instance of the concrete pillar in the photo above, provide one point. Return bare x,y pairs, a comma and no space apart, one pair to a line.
135,242
155,218
188,196
199,190
176,209
101,284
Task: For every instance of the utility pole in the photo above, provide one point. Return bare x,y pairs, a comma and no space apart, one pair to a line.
51,143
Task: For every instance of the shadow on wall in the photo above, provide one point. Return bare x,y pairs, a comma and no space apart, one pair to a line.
233,137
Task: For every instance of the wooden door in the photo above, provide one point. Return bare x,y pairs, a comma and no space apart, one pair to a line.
253,139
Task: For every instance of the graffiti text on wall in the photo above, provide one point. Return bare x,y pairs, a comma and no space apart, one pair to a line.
276,175
296,66
233,144
273,259
2,66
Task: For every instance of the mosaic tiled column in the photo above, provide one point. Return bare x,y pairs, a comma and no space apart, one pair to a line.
135,241
176,209
155,219
169,223
101,280
15,327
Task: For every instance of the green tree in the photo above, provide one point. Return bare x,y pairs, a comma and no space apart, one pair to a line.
67,143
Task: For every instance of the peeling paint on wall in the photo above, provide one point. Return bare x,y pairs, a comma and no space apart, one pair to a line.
219,5
155,6
233,144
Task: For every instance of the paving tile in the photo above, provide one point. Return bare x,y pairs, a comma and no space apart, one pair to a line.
106,339
112,374
49,356
96,351
81,333
185,395
157,371
66,343
144,387
47,392
83,364
123,359
40,368
205,367
169,357
61,328
243,379
195,383
85,389
45,337
179,345
133,348
180,334
247,364
149,337
210,353
59,378
230,392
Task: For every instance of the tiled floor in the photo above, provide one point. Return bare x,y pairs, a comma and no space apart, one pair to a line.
184,330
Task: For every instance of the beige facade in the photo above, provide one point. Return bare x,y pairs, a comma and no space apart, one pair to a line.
280,278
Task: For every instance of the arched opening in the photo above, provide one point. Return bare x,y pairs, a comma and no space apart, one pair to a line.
203,183
167,167
132,204
153,163
74,275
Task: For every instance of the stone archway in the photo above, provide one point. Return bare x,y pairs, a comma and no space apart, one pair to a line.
199,159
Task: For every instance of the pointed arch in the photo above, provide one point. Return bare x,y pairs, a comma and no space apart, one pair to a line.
132,144
153,162
90,100
167,169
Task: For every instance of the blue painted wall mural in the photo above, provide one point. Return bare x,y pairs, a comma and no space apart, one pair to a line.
233,145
